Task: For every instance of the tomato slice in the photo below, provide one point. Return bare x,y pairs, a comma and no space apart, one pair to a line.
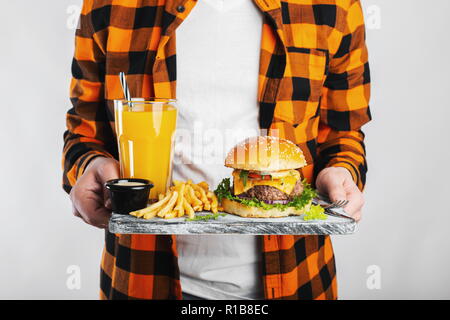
257,176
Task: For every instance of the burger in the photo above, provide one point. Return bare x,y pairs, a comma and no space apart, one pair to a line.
266,181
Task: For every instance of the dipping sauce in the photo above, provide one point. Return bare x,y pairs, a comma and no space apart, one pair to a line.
128,195
129,183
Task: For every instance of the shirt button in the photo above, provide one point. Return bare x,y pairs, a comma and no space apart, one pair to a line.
180,9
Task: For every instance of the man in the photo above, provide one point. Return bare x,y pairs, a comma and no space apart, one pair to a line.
306,78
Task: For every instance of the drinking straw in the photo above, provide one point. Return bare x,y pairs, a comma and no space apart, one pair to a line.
126,90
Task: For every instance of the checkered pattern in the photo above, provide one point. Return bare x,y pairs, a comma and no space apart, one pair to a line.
313,89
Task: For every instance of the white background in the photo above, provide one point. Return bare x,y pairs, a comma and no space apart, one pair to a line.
405,228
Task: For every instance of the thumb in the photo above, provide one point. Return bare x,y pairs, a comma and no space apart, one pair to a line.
108,170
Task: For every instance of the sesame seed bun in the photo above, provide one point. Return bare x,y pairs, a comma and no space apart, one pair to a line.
265,153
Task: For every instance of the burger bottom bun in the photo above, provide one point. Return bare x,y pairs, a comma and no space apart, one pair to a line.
242,210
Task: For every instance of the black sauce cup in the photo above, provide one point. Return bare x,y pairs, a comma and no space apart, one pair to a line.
128,198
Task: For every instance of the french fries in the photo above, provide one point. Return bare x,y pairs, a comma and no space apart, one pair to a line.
202,195
167,209
179,208
214,202
150,211
204,185
182,199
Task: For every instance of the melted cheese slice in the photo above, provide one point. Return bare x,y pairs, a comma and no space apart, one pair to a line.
282,180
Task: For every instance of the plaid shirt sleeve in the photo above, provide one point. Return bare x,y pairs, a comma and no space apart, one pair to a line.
345,97
88,133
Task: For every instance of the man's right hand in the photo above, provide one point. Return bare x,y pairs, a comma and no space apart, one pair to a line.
90,201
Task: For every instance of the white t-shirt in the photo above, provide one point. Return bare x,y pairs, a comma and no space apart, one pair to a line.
218,47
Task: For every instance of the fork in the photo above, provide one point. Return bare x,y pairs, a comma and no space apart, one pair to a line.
336,204
331,205
328,206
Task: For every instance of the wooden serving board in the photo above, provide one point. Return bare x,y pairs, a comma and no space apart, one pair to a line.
232,224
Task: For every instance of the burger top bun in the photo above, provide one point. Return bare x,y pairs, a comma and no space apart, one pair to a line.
265,153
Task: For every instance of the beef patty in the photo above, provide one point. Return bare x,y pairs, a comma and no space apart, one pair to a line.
267,193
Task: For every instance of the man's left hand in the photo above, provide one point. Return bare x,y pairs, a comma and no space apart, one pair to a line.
338,184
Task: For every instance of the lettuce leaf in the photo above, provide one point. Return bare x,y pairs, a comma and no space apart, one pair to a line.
315,213
207,217
244,176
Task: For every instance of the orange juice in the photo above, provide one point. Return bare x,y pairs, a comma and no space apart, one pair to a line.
145,135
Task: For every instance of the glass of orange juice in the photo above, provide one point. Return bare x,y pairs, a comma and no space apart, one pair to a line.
145,135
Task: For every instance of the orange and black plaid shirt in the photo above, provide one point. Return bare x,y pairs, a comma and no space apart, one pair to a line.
313,88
